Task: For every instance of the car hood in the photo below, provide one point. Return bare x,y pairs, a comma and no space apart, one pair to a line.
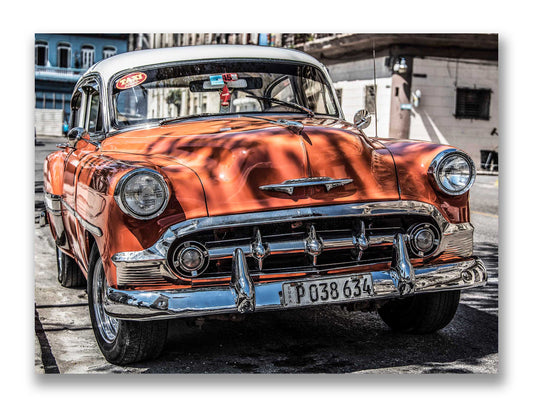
235,156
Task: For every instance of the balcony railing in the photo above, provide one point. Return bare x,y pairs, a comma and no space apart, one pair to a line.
53,72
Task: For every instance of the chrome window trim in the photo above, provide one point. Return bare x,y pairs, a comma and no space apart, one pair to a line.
124,207
437,162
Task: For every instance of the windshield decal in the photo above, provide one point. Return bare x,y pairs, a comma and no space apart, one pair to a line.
222,79
131,80
216,80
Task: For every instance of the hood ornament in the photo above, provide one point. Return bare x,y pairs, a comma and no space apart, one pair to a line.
288,186
295,127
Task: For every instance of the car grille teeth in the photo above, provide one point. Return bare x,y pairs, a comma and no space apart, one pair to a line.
360,241
313,245
259,251
300,247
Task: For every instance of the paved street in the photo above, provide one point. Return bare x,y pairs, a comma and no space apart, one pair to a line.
324,340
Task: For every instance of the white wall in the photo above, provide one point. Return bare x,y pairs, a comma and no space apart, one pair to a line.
353,99
434,118
49,122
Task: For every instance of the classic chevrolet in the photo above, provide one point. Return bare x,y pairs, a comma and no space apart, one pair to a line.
214,180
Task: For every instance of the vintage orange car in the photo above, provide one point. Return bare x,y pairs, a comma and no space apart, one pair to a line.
211,180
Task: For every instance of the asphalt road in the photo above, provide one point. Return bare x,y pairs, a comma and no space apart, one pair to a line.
321,340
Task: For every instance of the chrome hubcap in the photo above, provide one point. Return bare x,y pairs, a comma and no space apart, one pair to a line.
107,326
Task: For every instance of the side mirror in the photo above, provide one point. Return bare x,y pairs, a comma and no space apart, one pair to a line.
75,134
362,119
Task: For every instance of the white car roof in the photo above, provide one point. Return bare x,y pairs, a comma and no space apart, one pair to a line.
131,60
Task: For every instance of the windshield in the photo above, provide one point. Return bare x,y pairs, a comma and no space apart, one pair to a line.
158,94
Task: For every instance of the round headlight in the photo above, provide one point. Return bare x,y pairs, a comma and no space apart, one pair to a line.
142,193
453,171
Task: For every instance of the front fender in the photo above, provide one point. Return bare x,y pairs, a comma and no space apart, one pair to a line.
412,160
96,182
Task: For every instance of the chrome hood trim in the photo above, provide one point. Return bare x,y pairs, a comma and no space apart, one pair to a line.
288,186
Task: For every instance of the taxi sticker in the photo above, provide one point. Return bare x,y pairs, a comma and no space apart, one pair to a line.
228,77
131,80
222,79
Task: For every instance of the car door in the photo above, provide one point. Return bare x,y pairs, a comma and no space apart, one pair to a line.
87,114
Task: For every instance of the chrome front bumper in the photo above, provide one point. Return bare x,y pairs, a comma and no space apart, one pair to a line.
242,295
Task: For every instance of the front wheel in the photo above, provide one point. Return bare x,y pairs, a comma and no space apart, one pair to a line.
121,342
421,313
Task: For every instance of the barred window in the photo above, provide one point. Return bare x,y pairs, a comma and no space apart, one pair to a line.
472,103
108,51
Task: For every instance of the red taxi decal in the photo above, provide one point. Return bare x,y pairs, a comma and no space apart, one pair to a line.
131,80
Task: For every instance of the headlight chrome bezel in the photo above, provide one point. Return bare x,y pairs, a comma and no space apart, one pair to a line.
119,190
437,165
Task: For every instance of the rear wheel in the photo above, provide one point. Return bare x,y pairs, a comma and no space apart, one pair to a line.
121,342
68,273
422,313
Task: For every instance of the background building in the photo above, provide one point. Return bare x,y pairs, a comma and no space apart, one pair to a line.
441,88
60,60
436,87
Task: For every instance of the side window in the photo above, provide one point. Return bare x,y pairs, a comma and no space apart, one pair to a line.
94,116
76,117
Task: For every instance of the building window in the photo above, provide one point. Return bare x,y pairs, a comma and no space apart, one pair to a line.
63,55
108,51
41,53
87,56
472,103
370,99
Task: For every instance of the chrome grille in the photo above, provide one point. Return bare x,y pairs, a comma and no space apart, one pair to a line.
295,247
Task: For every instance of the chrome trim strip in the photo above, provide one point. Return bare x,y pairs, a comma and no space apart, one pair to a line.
360,242
288,186
52,203
148,305
95,230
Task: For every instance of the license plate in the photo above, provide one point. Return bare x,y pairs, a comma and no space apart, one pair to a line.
327,290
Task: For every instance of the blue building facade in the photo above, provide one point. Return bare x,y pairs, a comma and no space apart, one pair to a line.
60,60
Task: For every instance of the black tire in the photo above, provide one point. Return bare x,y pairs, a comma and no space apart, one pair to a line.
68,273
421,313
121,342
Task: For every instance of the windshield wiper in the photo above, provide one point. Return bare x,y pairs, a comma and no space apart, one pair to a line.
281,102
192,116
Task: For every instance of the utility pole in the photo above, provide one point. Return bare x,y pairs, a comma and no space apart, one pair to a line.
400,107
